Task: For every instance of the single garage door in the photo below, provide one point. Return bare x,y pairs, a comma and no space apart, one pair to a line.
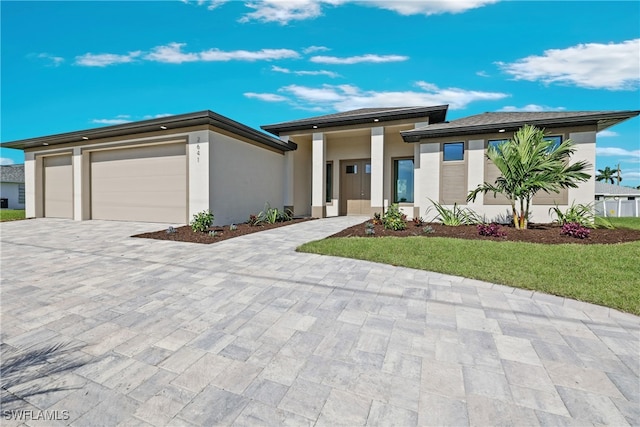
58,187
140,184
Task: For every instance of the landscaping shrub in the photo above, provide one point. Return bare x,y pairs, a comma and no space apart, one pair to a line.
377,218
455,216
202,221
490,230
428,230
170,230
270,216
418,221
394,219
369,229
580,214
573,229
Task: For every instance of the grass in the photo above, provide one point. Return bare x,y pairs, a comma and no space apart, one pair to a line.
625,222
607,275
11,214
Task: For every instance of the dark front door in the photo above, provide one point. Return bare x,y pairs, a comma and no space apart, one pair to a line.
355,187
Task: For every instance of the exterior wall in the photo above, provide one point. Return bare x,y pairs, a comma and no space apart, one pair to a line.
584,139
242,178
302,177
10,191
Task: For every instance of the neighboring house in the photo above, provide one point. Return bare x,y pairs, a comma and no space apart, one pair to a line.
12,185
355,162
616,200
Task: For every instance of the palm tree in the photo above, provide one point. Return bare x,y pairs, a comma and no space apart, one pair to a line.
528,163
606,174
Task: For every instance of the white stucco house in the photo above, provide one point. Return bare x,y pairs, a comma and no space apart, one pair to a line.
354,162
12,186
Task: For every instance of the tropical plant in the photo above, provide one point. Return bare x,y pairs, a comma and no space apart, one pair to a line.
580,214
369,229
428,230
529,163
454,216
394,219
607,175
202,221
270,216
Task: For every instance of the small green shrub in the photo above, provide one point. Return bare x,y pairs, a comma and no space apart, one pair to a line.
418,221
202,221
428,230
455,216
170,230
233,227
580,214
377,218
394,219
369,229
270,216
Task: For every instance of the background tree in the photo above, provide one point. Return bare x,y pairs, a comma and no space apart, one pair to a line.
529,163
606,174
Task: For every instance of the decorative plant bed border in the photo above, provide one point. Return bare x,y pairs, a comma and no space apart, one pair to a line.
186,234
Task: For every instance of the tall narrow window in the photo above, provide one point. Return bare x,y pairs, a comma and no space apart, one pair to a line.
453,151
403,181
556,139
21,194
329,182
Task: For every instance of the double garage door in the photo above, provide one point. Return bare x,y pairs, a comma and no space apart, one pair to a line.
146,183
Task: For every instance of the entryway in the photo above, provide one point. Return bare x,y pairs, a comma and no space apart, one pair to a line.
355,187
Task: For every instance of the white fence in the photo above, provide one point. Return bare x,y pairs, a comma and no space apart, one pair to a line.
617,208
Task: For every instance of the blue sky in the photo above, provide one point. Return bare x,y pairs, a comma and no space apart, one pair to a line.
76,65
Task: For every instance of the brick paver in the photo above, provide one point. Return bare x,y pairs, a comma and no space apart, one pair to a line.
98,328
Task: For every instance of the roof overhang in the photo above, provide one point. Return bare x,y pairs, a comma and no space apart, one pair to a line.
169,124
602,121
436,114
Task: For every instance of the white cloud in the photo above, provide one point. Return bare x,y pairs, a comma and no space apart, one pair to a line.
171,54
126,118
267,97
245,55
427,7
157,116
115,121
5,161
613,66
52,60
285,11
607,134
349,97
482,73
331,74
105,59
312,49
617,151
370,58
531,108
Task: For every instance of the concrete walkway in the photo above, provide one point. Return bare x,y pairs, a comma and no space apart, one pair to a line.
102,329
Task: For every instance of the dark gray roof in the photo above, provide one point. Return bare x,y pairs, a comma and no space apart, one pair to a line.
436,114
493,122
167,124
606,189
12,173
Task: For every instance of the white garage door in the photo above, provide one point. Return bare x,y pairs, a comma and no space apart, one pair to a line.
140,184
58,187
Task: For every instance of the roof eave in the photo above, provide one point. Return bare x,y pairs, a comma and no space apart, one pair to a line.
439,112
607,120
165,123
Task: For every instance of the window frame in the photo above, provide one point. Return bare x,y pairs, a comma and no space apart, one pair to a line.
444,159
328,170
394,182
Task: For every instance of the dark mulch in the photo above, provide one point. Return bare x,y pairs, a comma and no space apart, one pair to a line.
186,234
537,233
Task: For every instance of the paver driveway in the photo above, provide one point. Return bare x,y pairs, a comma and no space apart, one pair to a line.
102,329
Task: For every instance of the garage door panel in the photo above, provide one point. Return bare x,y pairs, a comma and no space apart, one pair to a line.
58,187
140,184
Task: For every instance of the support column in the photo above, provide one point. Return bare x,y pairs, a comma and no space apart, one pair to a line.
419,199
77,184
30,185
318,156
430,165
377,169
199,157
288,202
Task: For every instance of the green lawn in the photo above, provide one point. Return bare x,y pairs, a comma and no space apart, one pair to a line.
11,214
608,275
625,223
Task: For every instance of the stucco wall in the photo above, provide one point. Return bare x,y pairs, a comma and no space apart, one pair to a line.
584,139
242,178
9,190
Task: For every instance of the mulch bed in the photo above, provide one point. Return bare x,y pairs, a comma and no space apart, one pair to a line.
537,233
186,234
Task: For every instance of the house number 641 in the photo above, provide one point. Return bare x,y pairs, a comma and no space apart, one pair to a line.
198,153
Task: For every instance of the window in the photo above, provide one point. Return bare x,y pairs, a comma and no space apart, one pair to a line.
352,169
453,151
329,182
496,143
557,140
403,181
21,194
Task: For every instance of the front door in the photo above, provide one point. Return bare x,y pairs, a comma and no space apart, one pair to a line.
355,187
